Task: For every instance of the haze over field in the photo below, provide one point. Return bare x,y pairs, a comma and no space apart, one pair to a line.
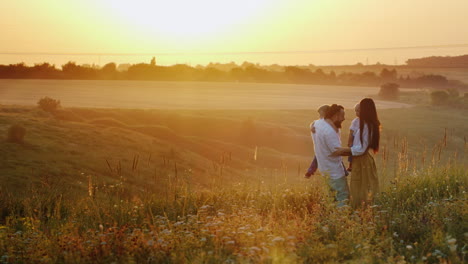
197,32
184,95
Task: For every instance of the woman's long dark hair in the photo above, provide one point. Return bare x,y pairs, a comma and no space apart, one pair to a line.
368,115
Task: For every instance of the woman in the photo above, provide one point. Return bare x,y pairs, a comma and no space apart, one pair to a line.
364,182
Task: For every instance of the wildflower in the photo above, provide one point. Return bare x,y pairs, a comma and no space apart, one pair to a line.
395,234
166,232
409,247
179,223
255,249
451,241
277,239
452,244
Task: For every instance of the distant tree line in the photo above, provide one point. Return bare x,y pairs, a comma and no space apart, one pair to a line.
440,62
247,72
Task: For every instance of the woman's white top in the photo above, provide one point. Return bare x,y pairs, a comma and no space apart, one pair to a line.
359,147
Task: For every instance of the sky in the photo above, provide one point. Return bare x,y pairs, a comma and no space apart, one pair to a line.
202,31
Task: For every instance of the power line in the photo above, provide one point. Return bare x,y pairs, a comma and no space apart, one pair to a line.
235,53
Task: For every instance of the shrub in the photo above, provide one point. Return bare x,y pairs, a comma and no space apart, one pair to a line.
48,104
16,134
439,97
389,91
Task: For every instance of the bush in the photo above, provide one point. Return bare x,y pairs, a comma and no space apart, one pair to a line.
16,134
439,97
48,104
389,91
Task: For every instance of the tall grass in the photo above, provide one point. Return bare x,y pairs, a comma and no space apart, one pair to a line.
128,216
420,217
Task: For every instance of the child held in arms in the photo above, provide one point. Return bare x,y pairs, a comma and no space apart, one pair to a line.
322,110
353,129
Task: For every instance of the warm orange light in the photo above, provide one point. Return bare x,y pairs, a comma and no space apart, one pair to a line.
185,18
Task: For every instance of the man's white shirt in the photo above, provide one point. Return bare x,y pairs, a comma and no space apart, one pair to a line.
326,140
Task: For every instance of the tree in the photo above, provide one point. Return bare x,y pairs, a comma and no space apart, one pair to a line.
388,75
48,104
153,61
389,91
439,97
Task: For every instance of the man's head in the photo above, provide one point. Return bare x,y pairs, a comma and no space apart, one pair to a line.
336,114
357,109
322,110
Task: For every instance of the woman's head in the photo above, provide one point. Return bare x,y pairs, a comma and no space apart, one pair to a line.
368,116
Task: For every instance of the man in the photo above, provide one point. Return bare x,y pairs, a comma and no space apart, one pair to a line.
326,139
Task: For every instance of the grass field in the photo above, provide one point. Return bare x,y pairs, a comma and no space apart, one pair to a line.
183,95
211,186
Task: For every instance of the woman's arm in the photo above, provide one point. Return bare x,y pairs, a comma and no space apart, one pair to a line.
359,147
350,138
341,152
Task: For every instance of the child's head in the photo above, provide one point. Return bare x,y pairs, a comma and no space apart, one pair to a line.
323,110
357,108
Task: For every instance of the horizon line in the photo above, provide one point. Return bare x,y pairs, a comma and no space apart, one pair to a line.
234,53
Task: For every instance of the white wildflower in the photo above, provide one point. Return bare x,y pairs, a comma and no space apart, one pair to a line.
452,241
277,239
166,232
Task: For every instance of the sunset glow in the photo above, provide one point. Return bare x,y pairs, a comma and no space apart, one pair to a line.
248,27
184,19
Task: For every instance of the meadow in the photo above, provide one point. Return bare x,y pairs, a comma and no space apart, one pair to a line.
94,185
182,95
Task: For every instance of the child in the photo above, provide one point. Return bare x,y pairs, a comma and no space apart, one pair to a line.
314,165
352,133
